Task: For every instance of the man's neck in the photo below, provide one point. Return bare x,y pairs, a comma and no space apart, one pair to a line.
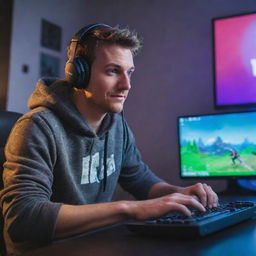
89,112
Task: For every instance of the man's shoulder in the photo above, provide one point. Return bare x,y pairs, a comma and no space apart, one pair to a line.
38,112
40,115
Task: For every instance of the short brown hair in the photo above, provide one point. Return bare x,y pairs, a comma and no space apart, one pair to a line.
106,35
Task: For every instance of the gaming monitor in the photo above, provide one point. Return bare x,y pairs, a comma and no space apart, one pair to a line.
218,145
234,48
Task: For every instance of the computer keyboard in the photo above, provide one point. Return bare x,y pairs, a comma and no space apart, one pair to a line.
200,224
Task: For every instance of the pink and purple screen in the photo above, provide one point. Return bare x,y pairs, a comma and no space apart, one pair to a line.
235,60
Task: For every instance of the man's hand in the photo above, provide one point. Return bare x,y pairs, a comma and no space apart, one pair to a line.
203,192
200,191
157,207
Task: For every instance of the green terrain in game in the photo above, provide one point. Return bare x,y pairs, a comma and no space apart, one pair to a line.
196,163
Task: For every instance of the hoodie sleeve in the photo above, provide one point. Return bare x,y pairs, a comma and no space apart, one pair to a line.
135,177
29,214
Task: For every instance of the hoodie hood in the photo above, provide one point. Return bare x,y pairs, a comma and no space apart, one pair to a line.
56,95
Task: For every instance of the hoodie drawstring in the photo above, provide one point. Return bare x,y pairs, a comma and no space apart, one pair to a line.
105,162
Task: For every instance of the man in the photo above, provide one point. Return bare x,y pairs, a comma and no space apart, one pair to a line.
65,157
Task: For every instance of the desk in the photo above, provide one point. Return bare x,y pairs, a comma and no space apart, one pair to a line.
118,241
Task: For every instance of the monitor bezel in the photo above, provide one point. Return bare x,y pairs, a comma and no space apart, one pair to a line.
225,106
231,177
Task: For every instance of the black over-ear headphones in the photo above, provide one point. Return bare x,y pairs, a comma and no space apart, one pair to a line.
77,69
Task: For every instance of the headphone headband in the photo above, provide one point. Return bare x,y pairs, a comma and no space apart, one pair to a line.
77,69
84,31
80,36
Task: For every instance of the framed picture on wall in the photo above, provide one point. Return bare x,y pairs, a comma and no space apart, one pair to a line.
49,66
50,35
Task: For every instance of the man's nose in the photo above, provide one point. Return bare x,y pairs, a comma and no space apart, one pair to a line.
125,82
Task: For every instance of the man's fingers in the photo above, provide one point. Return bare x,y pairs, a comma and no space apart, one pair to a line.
174,206
212,198
205,194
188,201
199,190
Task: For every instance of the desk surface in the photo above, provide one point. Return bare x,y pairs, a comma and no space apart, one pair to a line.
117,240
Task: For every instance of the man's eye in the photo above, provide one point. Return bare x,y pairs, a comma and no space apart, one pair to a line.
112,71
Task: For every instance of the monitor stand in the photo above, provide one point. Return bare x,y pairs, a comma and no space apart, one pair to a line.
233,188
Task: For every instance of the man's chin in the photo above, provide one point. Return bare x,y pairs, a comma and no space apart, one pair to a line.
116,109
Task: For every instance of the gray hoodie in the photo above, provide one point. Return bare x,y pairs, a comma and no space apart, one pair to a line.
54,157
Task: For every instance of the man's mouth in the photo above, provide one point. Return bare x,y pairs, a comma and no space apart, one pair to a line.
118,96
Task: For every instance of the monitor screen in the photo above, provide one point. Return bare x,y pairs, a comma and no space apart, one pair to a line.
218,145
235,60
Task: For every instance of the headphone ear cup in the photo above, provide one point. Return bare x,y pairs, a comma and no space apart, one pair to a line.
83,72
77,72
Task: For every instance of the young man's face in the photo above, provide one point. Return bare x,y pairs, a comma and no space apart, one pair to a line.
110,78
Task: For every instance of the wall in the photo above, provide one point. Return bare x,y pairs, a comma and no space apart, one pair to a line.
174,74
26,38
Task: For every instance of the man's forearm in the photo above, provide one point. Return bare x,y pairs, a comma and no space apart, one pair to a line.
162,189
76,219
